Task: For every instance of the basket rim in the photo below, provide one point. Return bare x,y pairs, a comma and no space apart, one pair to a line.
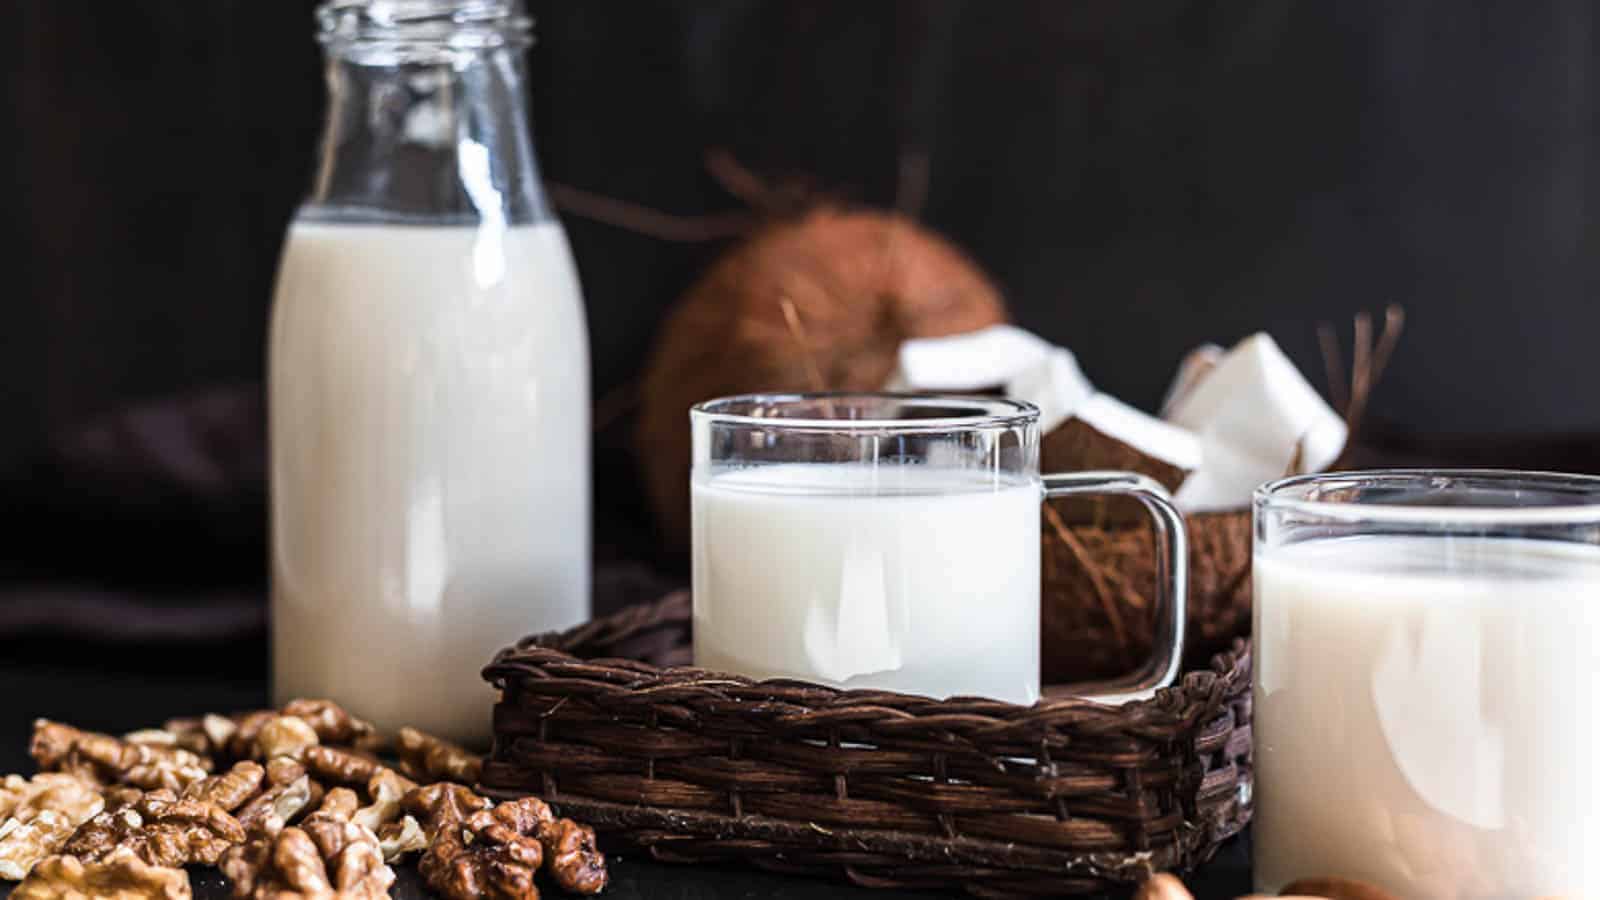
544,657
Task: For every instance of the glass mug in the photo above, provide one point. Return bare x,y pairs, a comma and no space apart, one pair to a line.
1427,682
891,541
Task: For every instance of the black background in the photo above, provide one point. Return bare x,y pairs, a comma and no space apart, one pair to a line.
1138,177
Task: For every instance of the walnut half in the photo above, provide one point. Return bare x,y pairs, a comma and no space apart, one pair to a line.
571,857
326,858
39,816
338,765
428,759
441,804
496,852
284,736
160,829
384,791
497,866
108,760
16,790
399,839
570,854
205,735
123,876
332,724
230,790
278,805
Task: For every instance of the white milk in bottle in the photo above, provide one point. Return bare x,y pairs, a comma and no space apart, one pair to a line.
430,464
428,381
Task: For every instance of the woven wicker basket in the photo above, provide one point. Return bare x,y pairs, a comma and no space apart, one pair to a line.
887,790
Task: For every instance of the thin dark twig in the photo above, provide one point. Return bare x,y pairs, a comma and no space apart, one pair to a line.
1366,368
1394,322
1333,365
1360,372
791,315
647,221
739,181
1298,460
1091,568
1361,363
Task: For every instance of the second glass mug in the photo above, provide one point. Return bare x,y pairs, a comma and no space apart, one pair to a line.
891,541
1426,683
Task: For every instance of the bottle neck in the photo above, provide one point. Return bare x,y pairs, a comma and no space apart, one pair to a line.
427,121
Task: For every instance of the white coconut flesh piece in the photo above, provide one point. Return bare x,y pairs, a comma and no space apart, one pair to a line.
1224,482
985,359
1255,415
1002,357
1055,384
1082,429
1105,433
1176,446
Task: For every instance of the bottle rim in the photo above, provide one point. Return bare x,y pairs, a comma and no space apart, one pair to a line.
457,24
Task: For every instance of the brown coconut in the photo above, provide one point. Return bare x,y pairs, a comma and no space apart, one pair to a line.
1077,446
818,302
1105,433
1096,614
1097,619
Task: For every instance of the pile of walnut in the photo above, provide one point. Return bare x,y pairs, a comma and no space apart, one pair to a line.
289,803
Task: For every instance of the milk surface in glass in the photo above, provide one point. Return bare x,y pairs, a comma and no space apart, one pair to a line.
430,410
904,577
1427,715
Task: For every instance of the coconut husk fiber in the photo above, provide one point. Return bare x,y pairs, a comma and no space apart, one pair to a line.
1099,571
818,301
1096,619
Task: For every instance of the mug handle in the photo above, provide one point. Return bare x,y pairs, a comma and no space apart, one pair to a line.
1172,580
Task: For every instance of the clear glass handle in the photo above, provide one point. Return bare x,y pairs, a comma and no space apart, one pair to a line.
1172,580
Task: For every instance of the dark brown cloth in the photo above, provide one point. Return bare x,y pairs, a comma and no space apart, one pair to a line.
150,524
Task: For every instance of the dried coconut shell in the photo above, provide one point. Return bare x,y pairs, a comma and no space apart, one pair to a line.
1078,446
1104,433
820,302
1099,582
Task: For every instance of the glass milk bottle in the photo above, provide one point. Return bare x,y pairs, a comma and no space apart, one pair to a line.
429,395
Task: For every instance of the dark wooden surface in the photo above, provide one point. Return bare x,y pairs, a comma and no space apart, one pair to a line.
100,688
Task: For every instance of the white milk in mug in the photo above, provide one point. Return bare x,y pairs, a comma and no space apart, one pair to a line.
1427,715
905,578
